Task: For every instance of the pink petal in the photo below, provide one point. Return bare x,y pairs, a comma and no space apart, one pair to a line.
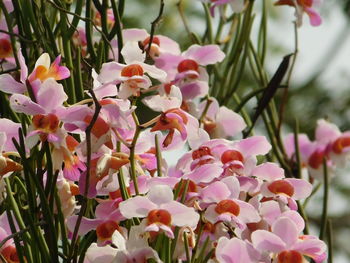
215,192
267,241
302,188
312,247
315,18
205,55
154,72
232,251
326,131
194,89
110,72
134,34
23,104
247,213
230,122
9,85
10,128
255,145
286,229
132,53
86,225
138,206
160,194
22,63
296,218
268,171
168,45
98,254
205,173
51,95
181,215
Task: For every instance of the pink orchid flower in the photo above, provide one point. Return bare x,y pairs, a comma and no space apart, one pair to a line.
301,7
8,130
132,75
42,71
8,250
6,51
286,243
47,110
187,70
221,122
235,251
160,44
134,249
160,211
225,205
106,222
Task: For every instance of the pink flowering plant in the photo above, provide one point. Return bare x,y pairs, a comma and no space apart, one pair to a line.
119,144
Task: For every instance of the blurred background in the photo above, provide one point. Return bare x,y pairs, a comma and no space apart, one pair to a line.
319,87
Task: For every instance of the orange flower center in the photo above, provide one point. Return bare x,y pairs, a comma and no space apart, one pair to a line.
5,48
200,152
48,123
281,187
316,159
227,206
340,144
105,230
159,216
231,155
155,40
132,70
10,254
290,256
186,65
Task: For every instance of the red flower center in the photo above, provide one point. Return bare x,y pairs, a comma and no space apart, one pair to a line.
231,155
48,123
227,206
186,65
159,216
132,70
155,40
290,256
316,159
105,230
340,144
5,48
200,152
10,254
281,187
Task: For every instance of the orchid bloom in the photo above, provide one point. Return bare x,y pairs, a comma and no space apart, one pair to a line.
286,243
134,249
42,72
6,51
132,75
160,211
235,251
224,205
160,44
106,222
47,110
8,250
220,122
301,7
187,70
8,130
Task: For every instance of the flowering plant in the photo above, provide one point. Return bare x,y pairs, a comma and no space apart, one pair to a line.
85,172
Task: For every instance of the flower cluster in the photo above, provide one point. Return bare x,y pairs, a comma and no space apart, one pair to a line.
330,148
222,201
